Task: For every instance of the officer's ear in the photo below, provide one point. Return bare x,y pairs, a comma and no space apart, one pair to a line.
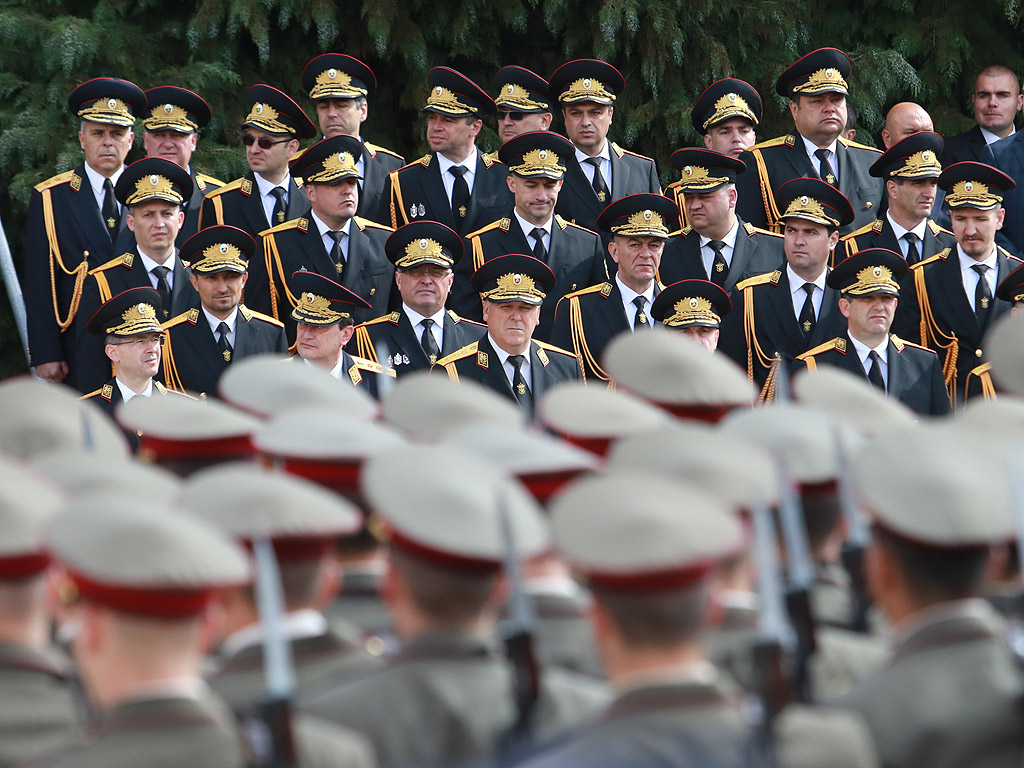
545,120
844,306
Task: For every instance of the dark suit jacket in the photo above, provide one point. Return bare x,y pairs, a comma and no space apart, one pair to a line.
79,229
601,317
360,373
1011,162
879,234
238,203
110,279
938,285
192,361
571,245
379,164
478,362
201,185
772,163
405,354
108,397
631,174
914,375
419,184
296,245
772,325
969,145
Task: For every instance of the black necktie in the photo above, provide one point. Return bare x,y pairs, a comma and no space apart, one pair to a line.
163,287
539,251
827,174
222,341
460,195
519,385
280,206
913,255
428,342
982,294
111,215
719,269
807,318
600,187
640,318
875,371
337,255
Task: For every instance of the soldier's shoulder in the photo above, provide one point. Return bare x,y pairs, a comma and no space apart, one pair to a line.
124,260
940,256
209,181
622,152
459,354
378,149
572,226
857,146
753,231
191,317
902,344
766,278
456,318
937,229
68,177
391,318
499,225
874,227
552,348
838,344
300,224
787,140
242,185
251,314
365,224
604,290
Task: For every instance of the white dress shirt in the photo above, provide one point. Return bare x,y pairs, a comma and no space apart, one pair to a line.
268,200
96,182
216,321
899,230
448,179
528,228
970,277
810,148
149,264
629,295
127,394
416,320
606,165
863,351
508,368
328,241
799,295
707,253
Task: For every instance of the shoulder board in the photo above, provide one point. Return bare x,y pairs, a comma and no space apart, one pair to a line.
620,151
564,224
392,318
1007,254
68,177
605,289
249,314
767,277
375,148
301,224
838,344
204,179
489,157
124,260
858,145
366,223
424,161
977,371
900,344
456,319
752,230
936,229
684,232
368,365
552,348
90,395
789,140
940,256
192,316
459,354
875,226
502,224
243,184
160,387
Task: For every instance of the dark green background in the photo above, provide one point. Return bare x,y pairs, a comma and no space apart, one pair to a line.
669,50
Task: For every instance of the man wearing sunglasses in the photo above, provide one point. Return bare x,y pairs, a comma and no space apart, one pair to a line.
267,195
340,86
424,254
523,102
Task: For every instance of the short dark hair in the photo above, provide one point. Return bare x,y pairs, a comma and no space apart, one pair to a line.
935,575
449,596
659,619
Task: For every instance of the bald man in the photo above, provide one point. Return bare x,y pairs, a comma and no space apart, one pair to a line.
904,119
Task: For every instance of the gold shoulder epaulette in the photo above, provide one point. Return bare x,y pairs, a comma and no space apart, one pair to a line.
489,158
620,152
605,289
1007,254
364,223
424,161
750,228
838,344
864,230
192,316
229,187
778,141
858,145
761,232
368,365
61,178
901,343
378,148
125,260
391,318
204,179
940,256
94,393
466,351
563,223
767,277
249,314
936,229
553,348
301,224
502,224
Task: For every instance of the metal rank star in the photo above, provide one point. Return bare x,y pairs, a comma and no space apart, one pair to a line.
521,388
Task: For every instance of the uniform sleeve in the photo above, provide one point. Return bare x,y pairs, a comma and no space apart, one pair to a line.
92,366
257,285
749,204
907,322
43,334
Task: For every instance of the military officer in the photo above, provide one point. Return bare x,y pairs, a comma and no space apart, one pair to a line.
695,308
816,88
302,521
902,120
75,223
792,309
949,300
726,115
586,320
599,172
454,183
37,695
202,342
175,116
417,336
324,325
868,283
329,239
507,359
910,169
523,103
979,379
444,509
341,86
153,191
926,570
537,163
267,195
